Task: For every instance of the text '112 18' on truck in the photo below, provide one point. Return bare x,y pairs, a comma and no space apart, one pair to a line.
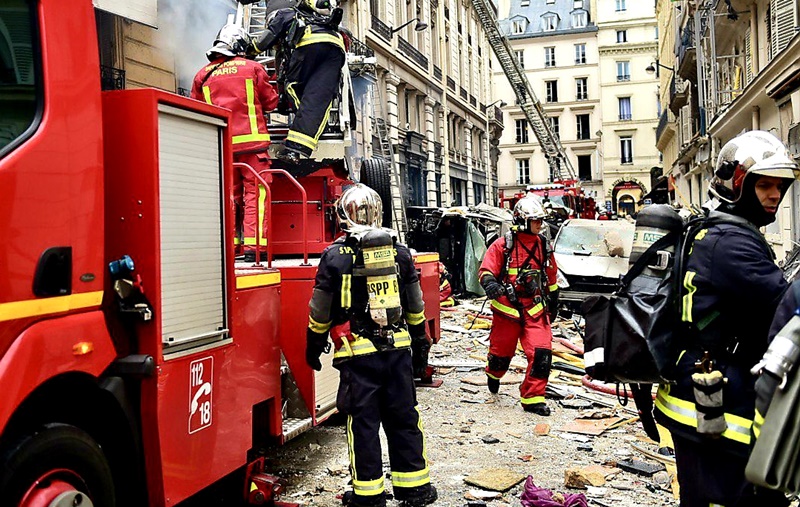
140,362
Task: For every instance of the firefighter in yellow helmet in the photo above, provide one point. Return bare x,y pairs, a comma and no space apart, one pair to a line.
367,298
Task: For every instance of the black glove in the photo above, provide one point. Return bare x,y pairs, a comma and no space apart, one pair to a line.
552,305
491,286
419,355
315,346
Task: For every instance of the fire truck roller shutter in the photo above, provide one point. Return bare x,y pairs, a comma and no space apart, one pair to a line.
375,174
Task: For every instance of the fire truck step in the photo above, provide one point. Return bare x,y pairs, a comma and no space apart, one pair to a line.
294,426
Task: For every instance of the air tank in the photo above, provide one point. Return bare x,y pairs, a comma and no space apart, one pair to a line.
653,223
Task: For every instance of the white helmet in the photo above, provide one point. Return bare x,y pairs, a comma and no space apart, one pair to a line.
359,205
528,208
756,152
323,7
232,40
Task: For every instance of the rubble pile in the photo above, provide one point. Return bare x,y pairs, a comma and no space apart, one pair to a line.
484,449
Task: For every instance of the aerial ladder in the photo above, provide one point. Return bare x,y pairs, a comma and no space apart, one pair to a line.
560,166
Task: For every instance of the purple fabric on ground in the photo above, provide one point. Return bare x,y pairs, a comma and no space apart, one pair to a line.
534,496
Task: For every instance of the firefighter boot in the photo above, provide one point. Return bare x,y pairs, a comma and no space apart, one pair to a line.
290,156
350,499
418,496
493,384
537,408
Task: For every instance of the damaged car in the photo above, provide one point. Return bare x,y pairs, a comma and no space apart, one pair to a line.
591,256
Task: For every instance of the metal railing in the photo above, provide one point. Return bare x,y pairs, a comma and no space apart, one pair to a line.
111,78
451,83
413,53
437,72
381,28
662,124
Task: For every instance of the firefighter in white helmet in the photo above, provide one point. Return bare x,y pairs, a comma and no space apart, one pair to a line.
367,298
518,274
730,291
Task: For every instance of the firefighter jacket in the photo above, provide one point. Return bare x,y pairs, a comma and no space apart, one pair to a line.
521,254
292,29
730,290
339,305
242,86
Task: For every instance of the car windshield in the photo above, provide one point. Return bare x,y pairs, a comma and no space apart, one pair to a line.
595,240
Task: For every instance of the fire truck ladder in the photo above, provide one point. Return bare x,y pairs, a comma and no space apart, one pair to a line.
560,166
387,154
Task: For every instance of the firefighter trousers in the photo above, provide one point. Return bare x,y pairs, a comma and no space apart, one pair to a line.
250,195
379,389
536,339
708,475
312,82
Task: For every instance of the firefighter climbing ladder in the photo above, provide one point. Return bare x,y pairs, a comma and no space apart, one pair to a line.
560,166
253,17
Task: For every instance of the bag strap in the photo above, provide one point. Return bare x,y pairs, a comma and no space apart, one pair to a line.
796,290
644,260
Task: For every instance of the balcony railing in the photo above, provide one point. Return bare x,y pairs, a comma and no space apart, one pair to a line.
473,101
437,72
451,83
410,51
625,117
358,48
381,28
623,77
662,124
112,78
463,93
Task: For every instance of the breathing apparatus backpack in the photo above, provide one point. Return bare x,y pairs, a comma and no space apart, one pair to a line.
379,268
635,335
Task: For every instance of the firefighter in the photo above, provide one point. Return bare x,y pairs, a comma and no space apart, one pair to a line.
367,297
518,274
445,289
309,38
730,291
241,85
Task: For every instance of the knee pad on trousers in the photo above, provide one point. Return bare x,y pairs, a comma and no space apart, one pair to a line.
541,363
497,363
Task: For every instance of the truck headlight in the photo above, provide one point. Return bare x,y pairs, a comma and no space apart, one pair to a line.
561,280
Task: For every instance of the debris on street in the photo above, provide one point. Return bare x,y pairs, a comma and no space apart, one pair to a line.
481,447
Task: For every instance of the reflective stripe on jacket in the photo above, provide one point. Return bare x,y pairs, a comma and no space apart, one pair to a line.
242,86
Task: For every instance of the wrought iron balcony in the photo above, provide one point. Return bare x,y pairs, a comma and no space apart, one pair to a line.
413,53
437,72
451,83
686,51
112,78
381,28
463,93
360,49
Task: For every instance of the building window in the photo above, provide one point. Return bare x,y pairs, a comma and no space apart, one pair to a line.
621,5
623,71
581,88
550,57
585,167
555,126
625,112
579,19
551,91
441,190
577,4
583,127
549,22
580,54
622,36
457,191
480,192
520,55
523,171
522,131
626,150
518,26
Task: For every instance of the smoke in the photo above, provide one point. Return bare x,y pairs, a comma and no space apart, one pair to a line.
186,29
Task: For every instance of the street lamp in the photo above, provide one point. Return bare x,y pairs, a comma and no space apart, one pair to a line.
653,68
421,25
501,102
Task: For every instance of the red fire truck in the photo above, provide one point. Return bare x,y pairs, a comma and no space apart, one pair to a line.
139,363
567,193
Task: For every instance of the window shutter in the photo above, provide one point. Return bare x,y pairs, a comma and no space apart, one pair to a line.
748,58
784,25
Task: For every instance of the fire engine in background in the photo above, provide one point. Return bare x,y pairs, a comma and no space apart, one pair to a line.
139,363
566,193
